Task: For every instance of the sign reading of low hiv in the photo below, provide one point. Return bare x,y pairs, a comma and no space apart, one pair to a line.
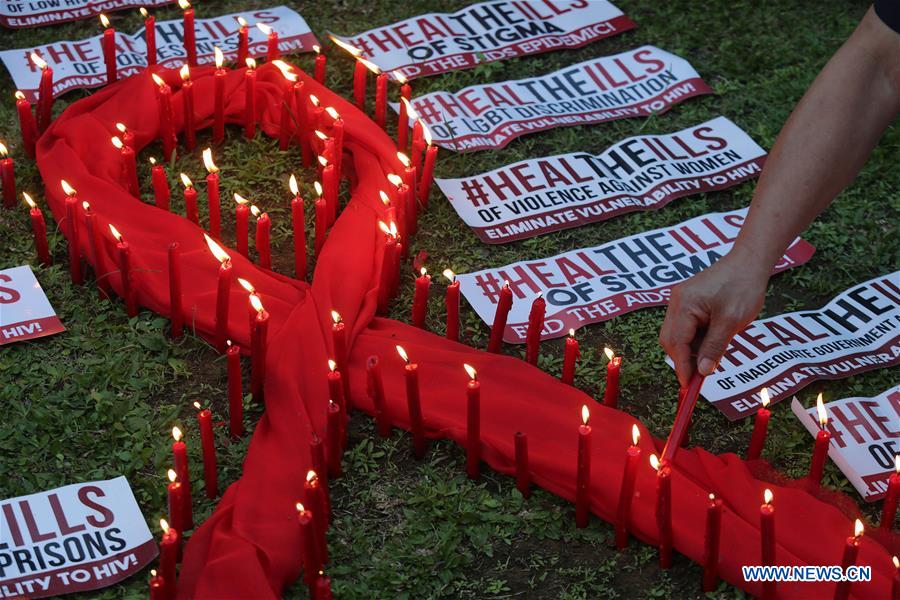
75,538
865,437
591,285
857,331
439,42
635,83
80,64
540,195
32,13
25,312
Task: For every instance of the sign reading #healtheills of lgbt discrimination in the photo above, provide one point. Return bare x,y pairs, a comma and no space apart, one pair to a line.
440,42
25,312
591,285
857,331
540,195
635,83
865,437
75,538
31,13
80,64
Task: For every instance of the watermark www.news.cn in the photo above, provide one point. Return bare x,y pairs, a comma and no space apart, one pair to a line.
810,573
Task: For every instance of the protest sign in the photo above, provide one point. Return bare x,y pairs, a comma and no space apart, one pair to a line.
644,172
638,82
80,64
31,13
591,285
25,312
439,42
75,538
857,331
865,437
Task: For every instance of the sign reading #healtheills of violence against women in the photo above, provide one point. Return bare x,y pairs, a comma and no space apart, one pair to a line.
635,83
865,438
25,312
591,285
439,42
31,13
75,538
857,331
540,195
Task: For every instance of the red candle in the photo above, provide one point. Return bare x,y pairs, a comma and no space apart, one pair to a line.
336,394
360,75
626,492
314,495
190,34
175,495
187,100
583,471
127,136
45,93
389,265
263,235
321,62
258,335
7,177
330,188
212,195
129,167
895,588
169,549
523,474
39,229
323,587
242,224
243,49
403,116
417,146
381,89
711,544
571,356
767,539
235,391
504,304
27,126
408,211
451,301
179,452
333,438
166,124
129,293
75,270
149,36
223,292
250,99
416,425
298,224
190,200
427,170
160,184
219,97
889,508
95,243
321,226
210,474
473,424
339,343
337,133
176,312
611,393
285,127
663,510
420,298
820,450
851,552
157,586
760,427
535,325
375,388
301,128
109,51
311,562
272,51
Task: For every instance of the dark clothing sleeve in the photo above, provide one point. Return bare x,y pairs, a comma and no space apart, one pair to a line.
889,12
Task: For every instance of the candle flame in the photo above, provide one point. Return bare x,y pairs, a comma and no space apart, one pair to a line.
332,112
208,161
384,198
323,161
311,476
858,528
370,65
394,229
896,562
104,20
712,497
897,464
172,475
216,249
185,72
256,303
121,127
152,572
164,525
332,365
609,353
158,80
318,188
320,135
409,109
186,181
585,414
37,60
764,397
115,232
246,285
654,462
86,205
152,161
395,179
28,200
3,150
117,142
264,28
197,405
292,184
345,46
68,189
336,317
176,433
250,62
144,12
317,49
220,58
403,354
635,434
423,271
399,77
449,275
255,211
426,133
383,227
820,409
242,21
571,333
184,4
240,199
300,507
404,159
19,95
287,71
314,100
473,374
768,496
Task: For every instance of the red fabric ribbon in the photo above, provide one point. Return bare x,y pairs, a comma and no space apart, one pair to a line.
251,545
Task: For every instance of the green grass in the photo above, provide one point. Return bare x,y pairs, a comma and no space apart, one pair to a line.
98,400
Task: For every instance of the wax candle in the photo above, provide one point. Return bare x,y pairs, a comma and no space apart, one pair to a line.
272,51
95,239
190,200
375,388
169,549
123,253
336,395
711,544
409,179
160,184
420,298
895,588
381,89
179,452
39,229
339,343
176,311
760,427
504,304
242,224
109,51
129,167
219,97
389,266
149,36
45,93
473,424
187,104
451,301
7,177
360,76
767,540
27,126
166,124
263,235
337,133
250,99
333,433
851,553
611,392
626,491
243,47
210,473
311,562
330,188
212,194
889,508
820,450
571,355
301,121
258,341
523,473
417,146
427,169
157,586
319,462
414,404
663,510
190,34
321,225
408,210
126,136
403,116
583,471
75,270
321,62
175,496
223,292
535,325
298,225
235,391
315,496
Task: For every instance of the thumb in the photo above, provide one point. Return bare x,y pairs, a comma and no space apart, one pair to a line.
713,346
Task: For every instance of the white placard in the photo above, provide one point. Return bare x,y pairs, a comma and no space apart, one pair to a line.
32,13
25,312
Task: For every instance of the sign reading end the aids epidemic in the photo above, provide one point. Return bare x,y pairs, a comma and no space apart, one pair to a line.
857,331
865,438
541,195
635,83
595,284
75,538
25,312
31,13
488,31
80,64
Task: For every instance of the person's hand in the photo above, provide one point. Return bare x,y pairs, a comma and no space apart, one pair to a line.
708,309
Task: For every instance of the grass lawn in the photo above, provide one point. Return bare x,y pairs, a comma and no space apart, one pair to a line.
98,401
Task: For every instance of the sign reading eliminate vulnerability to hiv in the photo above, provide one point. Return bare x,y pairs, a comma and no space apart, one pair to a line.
75,538
488,31
540,195
638,82
865,437
25,312
857,331
595,284
80,64
31,13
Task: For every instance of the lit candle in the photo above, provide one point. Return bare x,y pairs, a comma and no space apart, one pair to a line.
75,271
190,34
126,136
760,427
157,586
187,99
889,509
123,251
315,112
412,207
27,126
323,587
285,125
414,404
380,91
250,99
210,474
321,62
336,395
243,48
473,424
895,588
663,510
402,196
337,133
314,494
175,495
330,186
611,393
242,224
767,540
571,356
272,51
523,474
711,544
176,312
583,471
223,292
339,343
263,235
190,200
333,433
160,184
7,177
851,552
428,168
311,561
321,225
360,73
169,549
94,236
212,194
420,298
626,492
820,450
235,391
298,224
219,97
166,124
403,116
504,304
417,146
375,388
451,301
45,93
535,325
39,229
258,335
389,265
149,36
109,50
179,452
129,167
